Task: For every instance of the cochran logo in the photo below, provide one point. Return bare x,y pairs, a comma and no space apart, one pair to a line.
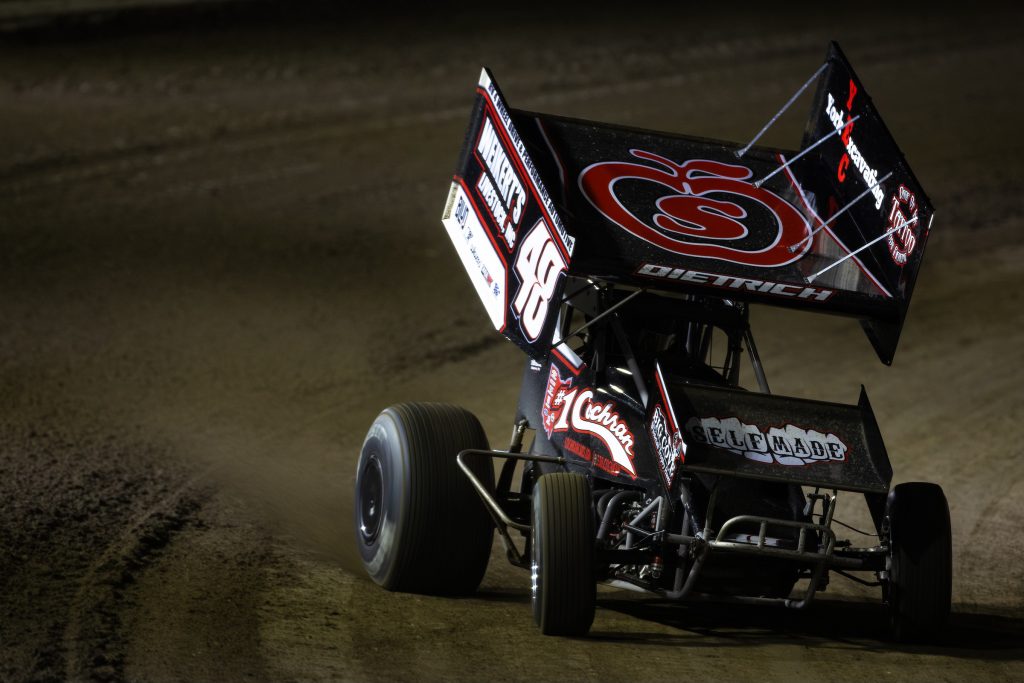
568,408
902,241
789,445
499,185
698,204
844,125
667,444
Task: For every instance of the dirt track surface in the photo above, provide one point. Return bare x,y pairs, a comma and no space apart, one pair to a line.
221,256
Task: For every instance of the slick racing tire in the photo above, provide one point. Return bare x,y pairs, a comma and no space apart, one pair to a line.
563,586
420,525
921,562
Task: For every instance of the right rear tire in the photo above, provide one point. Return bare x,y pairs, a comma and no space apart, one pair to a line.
564,587
921,562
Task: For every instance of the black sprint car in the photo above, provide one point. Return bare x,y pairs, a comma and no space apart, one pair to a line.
624,263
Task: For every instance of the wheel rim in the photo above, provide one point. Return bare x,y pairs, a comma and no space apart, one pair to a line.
371,493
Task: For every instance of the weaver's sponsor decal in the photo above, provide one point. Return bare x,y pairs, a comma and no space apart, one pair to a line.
788,445
667,444
479,257
902,240
708,209
852,156
730,282
567,241
567,408
499,186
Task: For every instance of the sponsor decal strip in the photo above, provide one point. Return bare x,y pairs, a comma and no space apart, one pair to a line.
779,289
480,218
844,125
487,88
480,256
499,185
666,438
663,441
786,445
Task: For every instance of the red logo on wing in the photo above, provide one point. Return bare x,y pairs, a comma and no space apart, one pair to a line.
700,208
902,225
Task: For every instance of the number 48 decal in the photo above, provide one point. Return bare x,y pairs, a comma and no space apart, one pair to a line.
539,263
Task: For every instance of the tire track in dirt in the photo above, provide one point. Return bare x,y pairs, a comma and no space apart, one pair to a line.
92,640
66,491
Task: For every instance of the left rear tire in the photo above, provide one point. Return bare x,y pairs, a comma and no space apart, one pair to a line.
419,524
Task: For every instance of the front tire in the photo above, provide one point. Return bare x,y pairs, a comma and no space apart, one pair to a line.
419,524
564,588
921,562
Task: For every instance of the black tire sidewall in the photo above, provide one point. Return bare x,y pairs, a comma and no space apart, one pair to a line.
385,442
920,539
562,560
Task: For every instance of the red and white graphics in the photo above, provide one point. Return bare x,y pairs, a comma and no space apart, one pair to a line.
666,437
902,224
567,408
554,400
704,211
786,445
853,156
539,264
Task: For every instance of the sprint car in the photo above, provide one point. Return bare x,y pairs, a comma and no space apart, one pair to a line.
624,263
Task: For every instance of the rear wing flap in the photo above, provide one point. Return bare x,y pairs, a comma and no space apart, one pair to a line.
889,227
778,438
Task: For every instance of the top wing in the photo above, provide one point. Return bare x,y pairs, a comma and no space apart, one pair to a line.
838,226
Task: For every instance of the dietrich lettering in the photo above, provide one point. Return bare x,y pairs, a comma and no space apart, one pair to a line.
739,283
